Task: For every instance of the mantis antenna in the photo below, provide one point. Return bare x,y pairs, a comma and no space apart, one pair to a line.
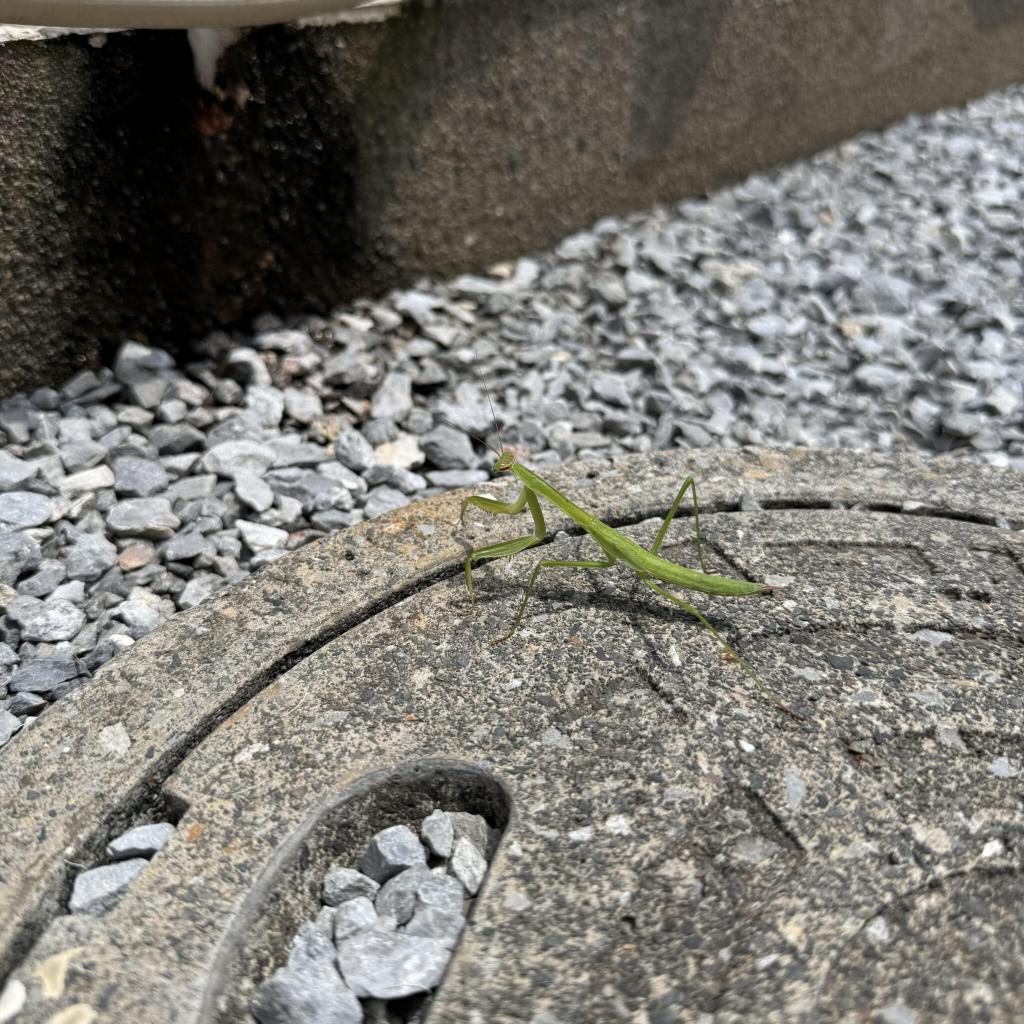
444,419
494,419
487,392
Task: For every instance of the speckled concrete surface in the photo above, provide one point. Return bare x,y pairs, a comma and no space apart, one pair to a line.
675,849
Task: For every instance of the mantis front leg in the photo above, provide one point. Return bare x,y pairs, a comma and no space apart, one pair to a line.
505,547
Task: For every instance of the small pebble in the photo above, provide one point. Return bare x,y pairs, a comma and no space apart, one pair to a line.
390,852
141,841
391,965
438,833
98,889
468,865
342,884
353,916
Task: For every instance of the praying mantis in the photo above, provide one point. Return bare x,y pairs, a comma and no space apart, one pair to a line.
651,569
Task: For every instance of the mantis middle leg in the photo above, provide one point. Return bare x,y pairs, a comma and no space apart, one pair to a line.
552,563
505,547
688,484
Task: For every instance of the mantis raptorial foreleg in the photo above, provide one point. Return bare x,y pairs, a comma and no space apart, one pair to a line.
688,484
500,508
552,563
506,547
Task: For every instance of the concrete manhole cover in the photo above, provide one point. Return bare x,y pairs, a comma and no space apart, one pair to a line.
673,848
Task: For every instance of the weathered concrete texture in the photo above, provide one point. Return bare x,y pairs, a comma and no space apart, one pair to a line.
672,843
347,158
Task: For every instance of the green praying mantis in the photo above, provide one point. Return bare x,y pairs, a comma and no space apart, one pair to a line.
651,569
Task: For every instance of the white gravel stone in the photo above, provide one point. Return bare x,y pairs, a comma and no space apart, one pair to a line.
473,827
52,622
44,675
90,557
391,851
258,537
342,884
302,406
192,487
88,480
139,478
353,916
47,577
289,451
141,841
253,492
448,448
9,725
444,926
383,965
19,553
266,404
247,367
384,499
19,509
198,589
98,889
438,833
397,896
353,450
402,453
140,618
72,590
393,399
80,455
468,865
324,921
187,545
143,517
238,458
284,340
440,891
310,992
14,472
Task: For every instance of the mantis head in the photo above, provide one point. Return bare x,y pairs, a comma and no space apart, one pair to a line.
506,460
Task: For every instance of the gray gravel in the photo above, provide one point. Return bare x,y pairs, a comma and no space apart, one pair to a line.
870,297
95,890
98,889
380,954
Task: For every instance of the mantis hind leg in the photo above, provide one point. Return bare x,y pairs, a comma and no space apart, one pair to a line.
552,563
702,619
504,548
689,484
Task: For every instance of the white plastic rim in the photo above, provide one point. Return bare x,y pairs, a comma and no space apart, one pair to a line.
166,13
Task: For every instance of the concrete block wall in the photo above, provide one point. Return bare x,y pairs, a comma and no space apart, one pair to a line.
342,159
